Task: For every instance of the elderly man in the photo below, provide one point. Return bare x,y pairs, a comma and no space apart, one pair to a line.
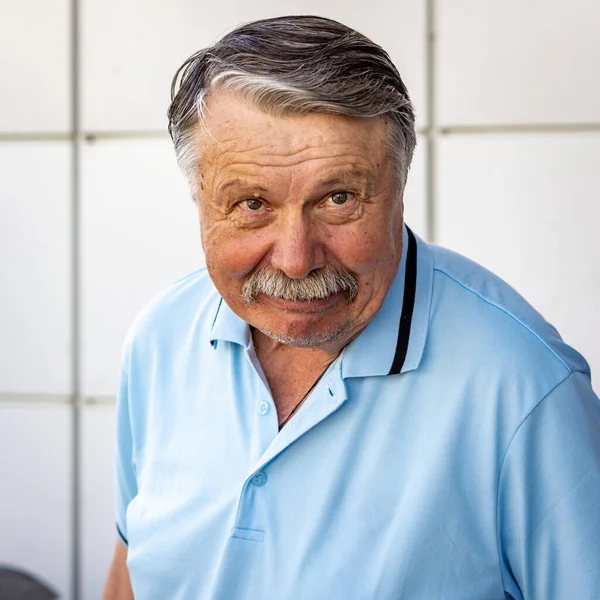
333,408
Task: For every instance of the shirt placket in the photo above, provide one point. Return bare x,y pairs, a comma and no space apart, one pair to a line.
257,491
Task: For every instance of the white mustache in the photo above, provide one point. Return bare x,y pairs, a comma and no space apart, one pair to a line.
318,284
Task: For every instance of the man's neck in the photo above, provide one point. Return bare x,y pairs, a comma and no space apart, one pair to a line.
290,371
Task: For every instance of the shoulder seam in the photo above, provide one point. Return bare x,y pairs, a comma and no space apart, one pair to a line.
569,369
508,447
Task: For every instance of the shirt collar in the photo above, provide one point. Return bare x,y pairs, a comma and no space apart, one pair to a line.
228,327
394,341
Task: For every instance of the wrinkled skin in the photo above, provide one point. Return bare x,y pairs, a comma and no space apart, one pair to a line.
295,193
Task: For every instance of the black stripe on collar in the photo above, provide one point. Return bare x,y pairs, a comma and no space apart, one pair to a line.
123,538
408,305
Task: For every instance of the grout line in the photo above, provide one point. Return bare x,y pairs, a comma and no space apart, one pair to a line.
35,136
86,136
75,307
100,400
42,398
519,128
432,133
427,131
93,136
8,398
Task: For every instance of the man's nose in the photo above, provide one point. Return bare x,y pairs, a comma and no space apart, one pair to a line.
297,250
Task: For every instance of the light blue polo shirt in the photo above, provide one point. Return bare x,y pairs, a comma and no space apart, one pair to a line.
451,452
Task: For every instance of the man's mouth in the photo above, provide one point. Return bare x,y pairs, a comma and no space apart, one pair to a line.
315,305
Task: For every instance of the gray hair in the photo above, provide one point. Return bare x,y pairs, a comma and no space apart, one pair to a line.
294,65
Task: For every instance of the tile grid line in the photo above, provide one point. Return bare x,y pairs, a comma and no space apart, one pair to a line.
49,399
432,133
76,403
89,137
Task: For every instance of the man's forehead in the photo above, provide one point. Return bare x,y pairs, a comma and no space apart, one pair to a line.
235,126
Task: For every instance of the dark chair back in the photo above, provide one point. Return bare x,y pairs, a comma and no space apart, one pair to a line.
18,585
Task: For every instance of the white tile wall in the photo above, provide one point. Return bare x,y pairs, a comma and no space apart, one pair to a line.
35,491
527,208
98,533
34,66
516,61
139,234
415,200
126,82
34,270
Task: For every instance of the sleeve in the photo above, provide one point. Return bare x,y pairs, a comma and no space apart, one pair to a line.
549,498
126,482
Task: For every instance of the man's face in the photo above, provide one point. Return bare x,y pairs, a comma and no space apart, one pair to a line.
291,196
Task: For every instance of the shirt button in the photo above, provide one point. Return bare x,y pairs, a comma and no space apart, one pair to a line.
263,408
259,479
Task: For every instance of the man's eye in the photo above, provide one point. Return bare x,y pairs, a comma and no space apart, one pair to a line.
253,204
341,197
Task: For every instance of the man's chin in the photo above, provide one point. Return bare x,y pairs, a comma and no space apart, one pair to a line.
306,338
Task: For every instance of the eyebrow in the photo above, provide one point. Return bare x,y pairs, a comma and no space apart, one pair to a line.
342,179
347,174
241,183
347,178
